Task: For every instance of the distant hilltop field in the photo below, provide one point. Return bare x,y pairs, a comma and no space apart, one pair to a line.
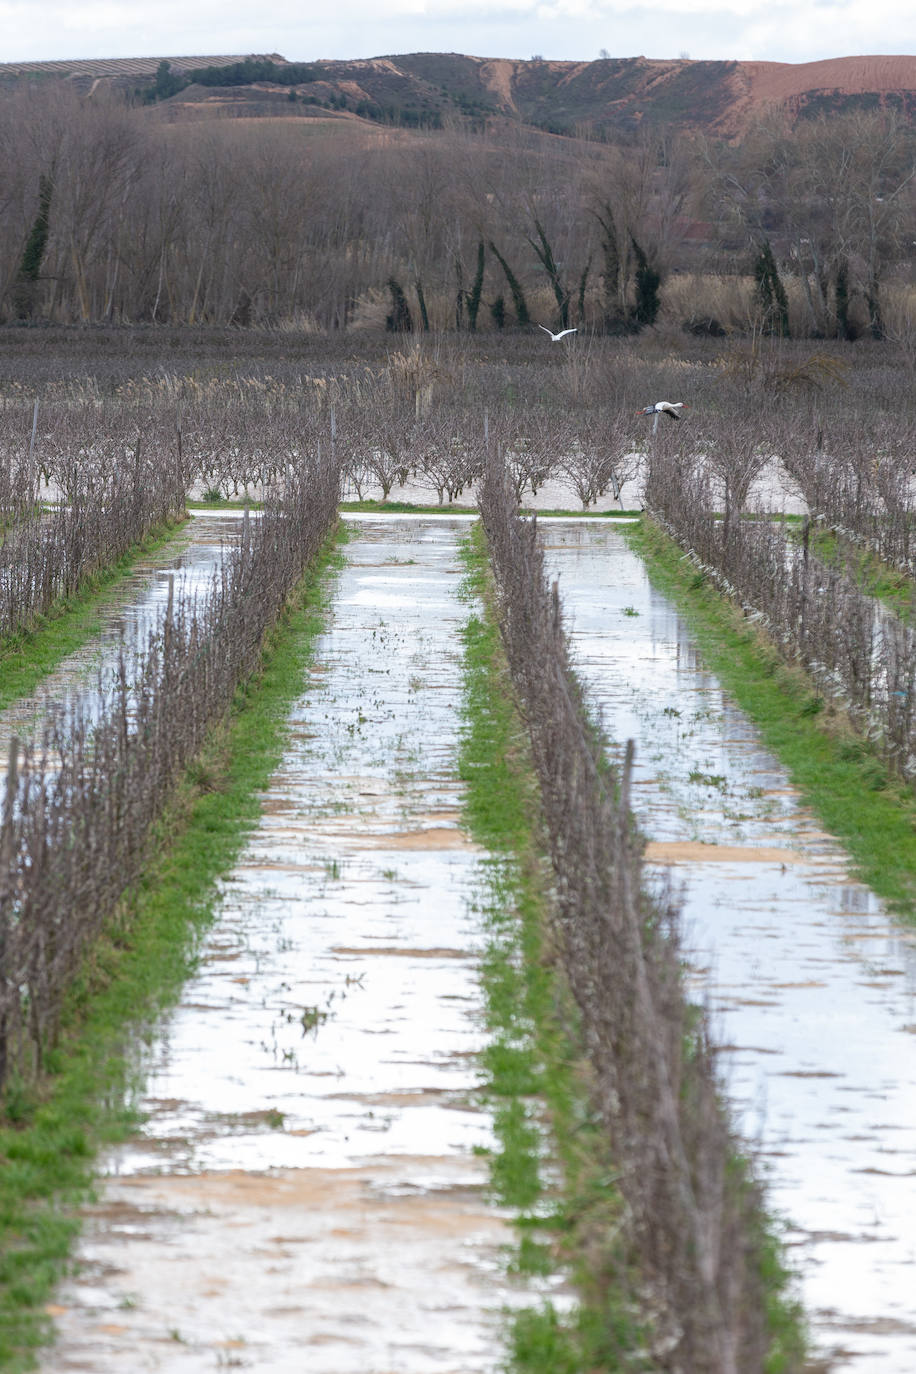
612,94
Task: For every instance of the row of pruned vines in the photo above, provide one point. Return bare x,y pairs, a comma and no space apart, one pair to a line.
692,1228
80,802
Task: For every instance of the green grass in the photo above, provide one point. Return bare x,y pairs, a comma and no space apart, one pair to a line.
372,507
224,503
837,772
405,508
27,657
583,514
50,1132
409,508
536,1073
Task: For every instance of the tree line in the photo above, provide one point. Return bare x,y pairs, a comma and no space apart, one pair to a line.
111,213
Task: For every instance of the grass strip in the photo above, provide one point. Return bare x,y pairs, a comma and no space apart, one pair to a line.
375,507
224,503
552,1166
410,508
27,657
560,514
404,508
871,574
838,773
49,1134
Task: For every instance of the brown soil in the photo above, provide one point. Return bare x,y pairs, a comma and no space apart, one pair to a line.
693,851
438,837
497,76
219,1274
779,82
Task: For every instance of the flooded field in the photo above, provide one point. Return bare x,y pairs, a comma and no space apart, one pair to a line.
190,559
812,986
305,1192
772,490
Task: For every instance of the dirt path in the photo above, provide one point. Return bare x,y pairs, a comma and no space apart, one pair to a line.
305,1192
813,987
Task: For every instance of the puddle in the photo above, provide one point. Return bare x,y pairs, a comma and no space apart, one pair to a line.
811,985
305,1192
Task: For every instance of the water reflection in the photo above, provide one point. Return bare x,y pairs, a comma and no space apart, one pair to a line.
812,986
83,680
306,1192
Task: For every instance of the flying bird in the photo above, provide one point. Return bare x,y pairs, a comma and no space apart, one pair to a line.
557,337
669,408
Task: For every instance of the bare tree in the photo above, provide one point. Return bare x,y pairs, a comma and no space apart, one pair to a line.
598,457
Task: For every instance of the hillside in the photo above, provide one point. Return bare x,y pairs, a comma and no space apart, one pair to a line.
609,95
719,98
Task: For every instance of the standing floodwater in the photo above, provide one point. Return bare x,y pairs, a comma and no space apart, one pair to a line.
305,1194
190,560
813,987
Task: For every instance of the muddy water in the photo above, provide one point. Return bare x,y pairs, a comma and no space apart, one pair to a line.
305,1193
812,986
82,678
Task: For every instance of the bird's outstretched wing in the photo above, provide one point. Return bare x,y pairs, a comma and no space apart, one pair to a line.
546,330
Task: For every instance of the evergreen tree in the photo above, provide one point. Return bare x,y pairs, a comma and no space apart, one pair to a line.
771,294
399,321
522,314
25,290
615,318
648,281
421,302
167,83
474,295
544,252
841,302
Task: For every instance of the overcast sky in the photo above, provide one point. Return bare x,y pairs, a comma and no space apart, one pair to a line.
302,30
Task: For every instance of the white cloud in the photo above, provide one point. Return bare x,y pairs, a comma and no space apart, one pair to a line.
839,29
715,29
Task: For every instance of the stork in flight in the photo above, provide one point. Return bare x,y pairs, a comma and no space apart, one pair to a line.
557,337
669,408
